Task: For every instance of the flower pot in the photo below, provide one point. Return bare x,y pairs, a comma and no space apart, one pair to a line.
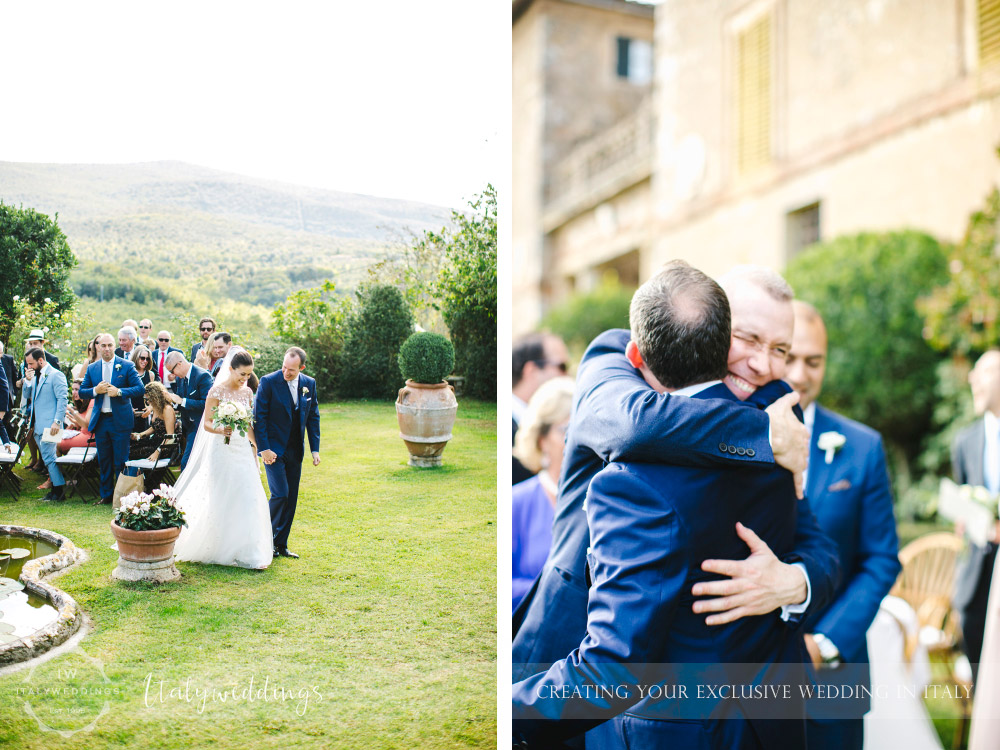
145,555
426,414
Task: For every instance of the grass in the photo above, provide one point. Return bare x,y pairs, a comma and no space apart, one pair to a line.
382,635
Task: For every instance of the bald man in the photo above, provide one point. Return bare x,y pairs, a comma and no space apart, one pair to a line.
848,487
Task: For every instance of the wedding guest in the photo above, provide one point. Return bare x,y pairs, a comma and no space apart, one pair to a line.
223,342
36,340
142,358
536,358
206,327
848,488
539,447
79,368
146,333
47,404
78,414
126,342
160,353
146,444
35,462
111,381
192,384
9,367
975,459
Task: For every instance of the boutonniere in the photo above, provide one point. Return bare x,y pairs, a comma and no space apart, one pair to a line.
117,367
305,391
830,442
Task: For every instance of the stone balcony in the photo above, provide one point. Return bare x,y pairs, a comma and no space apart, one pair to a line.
600,167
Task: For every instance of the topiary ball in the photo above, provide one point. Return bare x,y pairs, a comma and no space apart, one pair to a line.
426,358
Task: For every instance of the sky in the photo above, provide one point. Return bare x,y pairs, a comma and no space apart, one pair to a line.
393,98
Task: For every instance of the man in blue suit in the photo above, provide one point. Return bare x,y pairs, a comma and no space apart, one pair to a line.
160,353
46,394
206,327
190,391
286,409
112,382
617,416
655,530
848,488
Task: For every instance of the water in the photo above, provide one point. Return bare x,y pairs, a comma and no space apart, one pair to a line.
21,613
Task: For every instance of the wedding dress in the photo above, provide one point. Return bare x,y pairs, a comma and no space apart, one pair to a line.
222,496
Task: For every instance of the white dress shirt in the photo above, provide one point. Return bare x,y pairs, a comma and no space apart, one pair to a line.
991,456
106,376
293,386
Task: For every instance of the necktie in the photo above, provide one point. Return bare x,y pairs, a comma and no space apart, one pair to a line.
106,373
162,358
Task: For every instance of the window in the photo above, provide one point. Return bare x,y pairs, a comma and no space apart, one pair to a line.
801,229
989,32
753,95
635,60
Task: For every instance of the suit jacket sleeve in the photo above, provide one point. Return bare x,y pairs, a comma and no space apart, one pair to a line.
818,553
957,464
62,396
6,389
87,386
260,413
202,386
312,421
847,620
640,568
621,418
133,386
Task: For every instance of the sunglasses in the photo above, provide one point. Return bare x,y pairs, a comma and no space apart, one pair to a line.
144,328
142,359
563,367
164,341
208,329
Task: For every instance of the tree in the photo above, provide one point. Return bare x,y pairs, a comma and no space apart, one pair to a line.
880,370
35,261
374,337
467,291
582,317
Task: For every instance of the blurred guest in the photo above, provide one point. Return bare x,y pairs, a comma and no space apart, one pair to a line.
10,371
36,340
129,323
539,446
975,459
536,358
79,368
126,342
223,342
78,414
47,404
163,422
143,360
146,333
206,327
160,354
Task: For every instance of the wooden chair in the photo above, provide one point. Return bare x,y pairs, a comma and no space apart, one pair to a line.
8,479
926,583
160,471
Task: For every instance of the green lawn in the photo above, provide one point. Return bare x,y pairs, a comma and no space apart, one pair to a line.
383,634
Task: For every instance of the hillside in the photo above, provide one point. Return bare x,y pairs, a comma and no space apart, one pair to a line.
170,226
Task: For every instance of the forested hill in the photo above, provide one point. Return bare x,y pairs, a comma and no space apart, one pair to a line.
157,228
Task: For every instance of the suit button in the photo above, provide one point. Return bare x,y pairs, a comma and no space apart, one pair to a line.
741,451
723,447
732,449
751,452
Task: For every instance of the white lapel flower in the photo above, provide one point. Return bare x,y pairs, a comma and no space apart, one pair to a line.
117,367
305,391
830,442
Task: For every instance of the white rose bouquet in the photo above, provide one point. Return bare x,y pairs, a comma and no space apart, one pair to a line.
236,416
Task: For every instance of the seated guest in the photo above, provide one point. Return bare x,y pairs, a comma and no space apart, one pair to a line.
539,447
146,444
126,342
206,327
77,418
142,358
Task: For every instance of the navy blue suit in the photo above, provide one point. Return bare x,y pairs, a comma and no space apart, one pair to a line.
194,389
281,426
112,431
618,416
853,505
156,360
651,527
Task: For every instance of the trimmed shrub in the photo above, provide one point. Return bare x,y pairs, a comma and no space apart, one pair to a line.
426,358
371,348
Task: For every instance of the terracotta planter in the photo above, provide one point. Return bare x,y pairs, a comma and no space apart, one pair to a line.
426,414
145,555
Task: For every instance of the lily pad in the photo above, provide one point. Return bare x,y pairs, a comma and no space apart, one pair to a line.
18,553
9,586
6,632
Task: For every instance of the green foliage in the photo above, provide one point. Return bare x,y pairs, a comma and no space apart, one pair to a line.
67,332
952,412
880,370
315,320
150,511
414,268
582,317
963,314
373,339
35,261
426,358
467,290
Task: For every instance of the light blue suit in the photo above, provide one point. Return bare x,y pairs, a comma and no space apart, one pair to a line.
47,397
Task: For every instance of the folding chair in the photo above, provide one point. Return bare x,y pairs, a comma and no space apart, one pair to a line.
79,468
159,472
8,479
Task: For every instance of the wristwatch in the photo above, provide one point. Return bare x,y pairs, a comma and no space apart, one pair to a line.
827,650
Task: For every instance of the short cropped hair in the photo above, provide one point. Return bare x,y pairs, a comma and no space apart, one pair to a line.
528,348
223,336
681,323
129,332
300,353
763,277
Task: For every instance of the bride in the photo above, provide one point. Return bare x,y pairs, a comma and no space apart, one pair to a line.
220,491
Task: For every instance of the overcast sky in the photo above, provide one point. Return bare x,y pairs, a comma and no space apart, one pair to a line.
393,98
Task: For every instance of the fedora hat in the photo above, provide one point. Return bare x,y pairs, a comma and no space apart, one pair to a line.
36,333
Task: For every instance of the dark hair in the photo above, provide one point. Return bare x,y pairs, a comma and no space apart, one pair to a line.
241,359
529,348
35,352
208,320
298,353
223,336
680,321
156,393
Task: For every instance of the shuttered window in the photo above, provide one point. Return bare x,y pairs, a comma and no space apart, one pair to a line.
989,32
753,93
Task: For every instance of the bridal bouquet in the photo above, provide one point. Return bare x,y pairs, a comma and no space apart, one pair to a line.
145,511
229,414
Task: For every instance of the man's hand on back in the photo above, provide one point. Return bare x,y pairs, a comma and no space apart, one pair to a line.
789,439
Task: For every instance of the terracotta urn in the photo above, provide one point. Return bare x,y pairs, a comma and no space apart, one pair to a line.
145,555
426,413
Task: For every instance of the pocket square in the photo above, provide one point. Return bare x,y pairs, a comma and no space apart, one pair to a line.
840,486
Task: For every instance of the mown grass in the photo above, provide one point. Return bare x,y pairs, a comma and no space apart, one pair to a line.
382,635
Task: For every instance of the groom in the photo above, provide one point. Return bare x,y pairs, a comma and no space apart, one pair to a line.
286,406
